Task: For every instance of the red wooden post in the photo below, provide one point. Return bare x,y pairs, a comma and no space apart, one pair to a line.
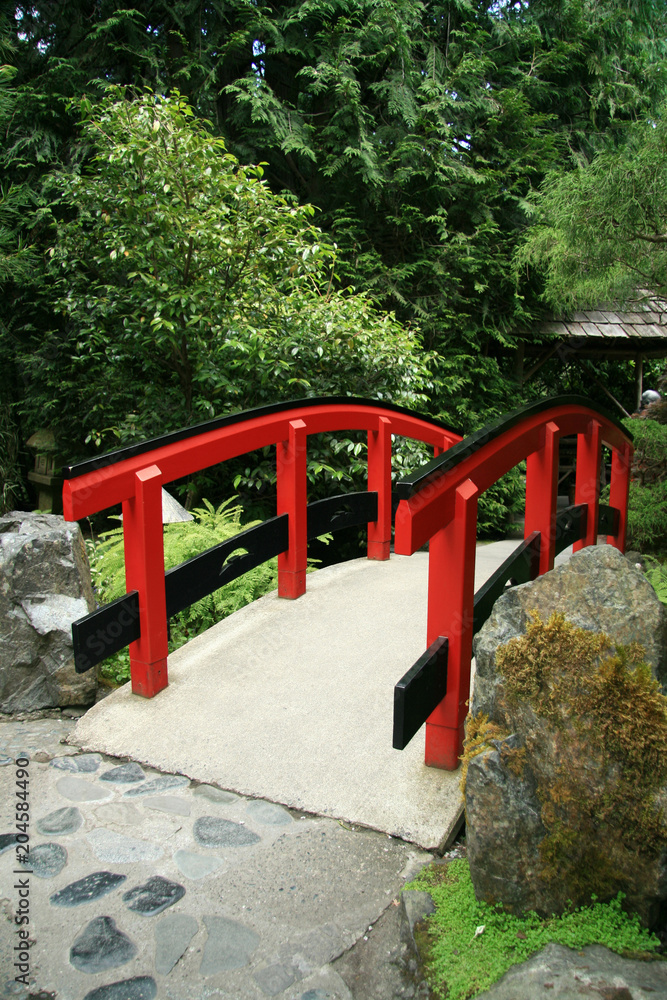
292,500
541,490
144,572
621,462
451,592
379,479
438,449
587,487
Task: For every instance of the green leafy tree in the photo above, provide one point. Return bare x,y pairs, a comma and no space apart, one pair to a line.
420,129
187,288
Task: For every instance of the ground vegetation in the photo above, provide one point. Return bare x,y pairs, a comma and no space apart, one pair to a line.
469,945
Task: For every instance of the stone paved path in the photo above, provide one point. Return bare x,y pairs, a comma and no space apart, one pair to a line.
145,885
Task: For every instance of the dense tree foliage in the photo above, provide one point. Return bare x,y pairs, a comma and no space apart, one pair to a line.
184,287
601,230
418,130
17,263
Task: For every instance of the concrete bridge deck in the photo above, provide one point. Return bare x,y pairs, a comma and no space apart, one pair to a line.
292,701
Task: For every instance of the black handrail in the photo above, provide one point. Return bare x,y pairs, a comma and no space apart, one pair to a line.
141,447
416,480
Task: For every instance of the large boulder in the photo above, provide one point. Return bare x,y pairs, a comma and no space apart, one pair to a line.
597,589
44,586
566,747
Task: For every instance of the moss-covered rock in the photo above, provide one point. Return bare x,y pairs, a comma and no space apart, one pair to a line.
564,800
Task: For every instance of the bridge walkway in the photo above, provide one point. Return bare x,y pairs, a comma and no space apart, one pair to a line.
292,701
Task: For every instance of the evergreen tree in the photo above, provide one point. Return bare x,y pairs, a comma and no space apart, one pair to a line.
418,129
601,231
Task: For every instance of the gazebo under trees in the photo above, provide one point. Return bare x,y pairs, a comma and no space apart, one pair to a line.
636,332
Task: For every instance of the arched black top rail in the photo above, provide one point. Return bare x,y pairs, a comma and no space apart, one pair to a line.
414,482
141,447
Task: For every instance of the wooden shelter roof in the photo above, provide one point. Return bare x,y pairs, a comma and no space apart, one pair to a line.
634,332
637,329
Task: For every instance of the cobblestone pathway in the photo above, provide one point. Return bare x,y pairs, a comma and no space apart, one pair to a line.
140,885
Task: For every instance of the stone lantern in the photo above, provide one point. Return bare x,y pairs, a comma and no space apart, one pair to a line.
48,483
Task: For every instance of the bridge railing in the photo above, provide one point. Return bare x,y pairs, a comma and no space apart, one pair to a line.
134,476
439,506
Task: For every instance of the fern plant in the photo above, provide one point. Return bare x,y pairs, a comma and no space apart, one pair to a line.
182,541
656,571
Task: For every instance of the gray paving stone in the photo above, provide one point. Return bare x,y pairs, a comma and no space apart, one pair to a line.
60,821
173,934
122,813
84,890
211,831
124,774
84,763
229,945
317,946
169,804
194,865
214,794
138,988
101,946
79,790
7,841
153,896
268,814
416,906
161,784
118,848
46,860
14,989
273,979
315,995
34,736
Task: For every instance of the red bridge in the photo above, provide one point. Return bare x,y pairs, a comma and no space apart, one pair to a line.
436,505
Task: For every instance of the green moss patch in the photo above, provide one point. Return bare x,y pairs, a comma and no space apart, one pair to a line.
462,960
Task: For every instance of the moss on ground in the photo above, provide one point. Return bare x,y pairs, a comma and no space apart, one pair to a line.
466,946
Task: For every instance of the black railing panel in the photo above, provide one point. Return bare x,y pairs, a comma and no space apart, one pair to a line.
608,519
206,573
519,567
115,625
343,511
419,692
571,524
105,631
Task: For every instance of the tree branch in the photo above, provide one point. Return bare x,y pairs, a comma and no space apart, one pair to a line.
188,261
649,239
